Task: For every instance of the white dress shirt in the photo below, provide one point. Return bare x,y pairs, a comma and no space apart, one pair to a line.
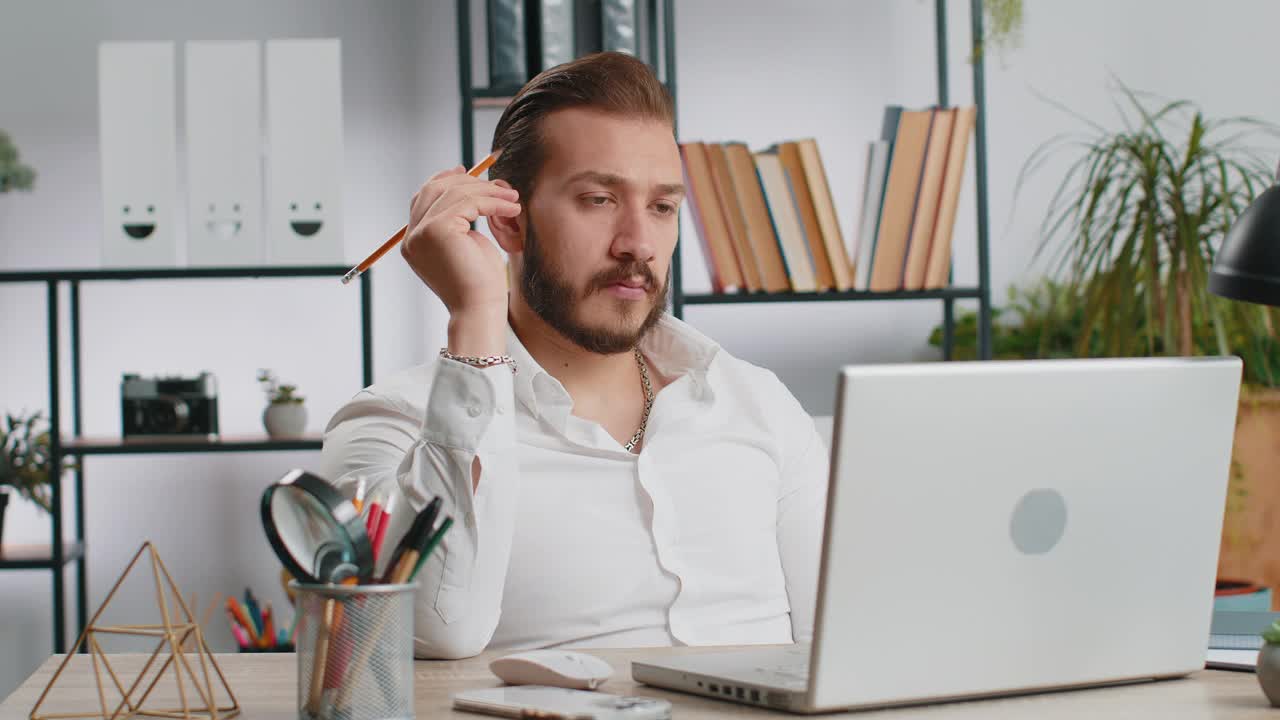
710,535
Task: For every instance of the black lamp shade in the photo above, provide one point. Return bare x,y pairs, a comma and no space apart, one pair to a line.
1248,265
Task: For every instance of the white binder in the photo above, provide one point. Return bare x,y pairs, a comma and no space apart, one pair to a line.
138,152
224,154
304,151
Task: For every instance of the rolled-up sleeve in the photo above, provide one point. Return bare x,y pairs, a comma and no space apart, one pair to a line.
383,437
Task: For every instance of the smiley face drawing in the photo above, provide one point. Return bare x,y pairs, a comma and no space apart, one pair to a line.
224,220
305,220
138,221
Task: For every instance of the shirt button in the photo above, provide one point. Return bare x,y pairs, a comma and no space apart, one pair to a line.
473,411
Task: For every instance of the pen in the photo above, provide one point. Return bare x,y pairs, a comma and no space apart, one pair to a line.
384,521
371,523
412,539
268,630
431,545
242,639
234,609
252,609
368,262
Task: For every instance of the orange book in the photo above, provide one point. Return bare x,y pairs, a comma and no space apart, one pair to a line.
939,269
755,212
734,221
785,219
789,154
922,224
722,263
825,210
909,130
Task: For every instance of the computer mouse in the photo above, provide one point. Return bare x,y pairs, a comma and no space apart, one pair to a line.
558,668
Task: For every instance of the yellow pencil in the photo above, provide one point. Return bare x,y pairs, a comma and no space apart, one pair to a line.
391,242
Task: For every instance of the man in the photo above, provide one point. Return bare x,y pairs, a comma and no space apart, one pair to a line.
616,478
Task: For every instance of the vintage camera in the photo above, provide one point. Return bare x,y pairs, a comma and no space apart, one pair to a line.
169,405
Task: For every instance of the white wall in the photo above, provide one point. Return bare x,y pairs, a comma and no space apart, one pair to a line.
756,71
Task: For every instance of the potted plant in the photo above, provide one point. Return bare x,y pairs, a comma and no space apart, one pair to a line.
285,415
13,174
25,462
1269,663
1129,238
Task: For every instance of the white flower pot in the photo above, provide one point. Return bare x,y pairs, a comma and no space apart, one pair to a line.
285,419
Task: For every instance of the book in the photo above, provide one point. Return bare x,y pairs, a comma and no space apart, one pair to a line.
717,249
926,211
781,202
789,154
878,152
909,131
508,51
734,221
618,26
556,41
755,212
825,210
939,267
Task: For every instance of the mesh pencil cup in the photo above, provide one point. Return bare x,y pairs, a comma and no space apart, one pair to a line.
355,651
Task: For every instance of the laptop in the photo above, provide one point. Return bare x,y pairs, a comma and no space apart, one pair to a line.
1003,527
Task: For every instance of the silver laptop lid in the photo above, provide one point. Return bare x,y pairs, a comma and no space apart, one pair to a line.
1003,526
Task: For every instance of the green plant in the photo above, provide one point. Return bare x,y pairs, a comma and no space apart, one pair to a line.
25,458
278,394
1134,225
13,174
1272,634
1003,25
1047,320
1038,322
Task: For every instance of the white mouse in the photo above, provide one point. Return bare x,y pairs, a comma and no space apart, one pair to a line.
558,668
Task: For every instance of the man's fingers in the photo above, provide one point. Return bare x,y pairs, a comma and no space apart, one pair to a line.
474,206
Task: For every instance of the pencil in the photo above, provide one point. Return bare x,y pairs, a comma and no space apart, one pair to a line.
431,545
391,242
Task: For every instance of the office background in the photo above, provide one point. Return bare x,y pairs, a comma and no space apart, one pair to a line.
831,67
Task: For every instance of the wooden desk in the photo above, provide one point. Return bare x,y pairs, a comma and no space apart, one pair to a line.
265,687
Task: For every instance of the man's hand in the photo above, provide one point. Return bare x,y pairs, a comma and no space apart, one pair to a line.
460,265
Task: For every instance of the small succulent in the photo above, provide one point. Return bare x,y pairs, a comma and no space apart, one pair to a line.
1272,634
278,394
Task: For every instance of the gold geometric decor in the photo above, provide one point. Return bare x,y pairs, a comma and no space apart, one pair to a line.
174,632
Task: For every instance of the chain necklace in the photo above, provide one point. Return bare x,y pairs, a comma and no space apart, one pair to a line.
648,402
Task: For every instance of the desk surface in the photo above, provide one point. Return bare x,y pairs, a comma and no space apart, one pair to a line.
264,685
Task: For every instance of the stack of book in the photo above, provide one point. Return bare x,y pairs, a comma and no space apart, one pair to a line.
766,219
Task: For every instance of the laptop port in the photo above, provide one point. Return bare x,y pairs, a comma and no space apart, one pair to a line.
728,691
713,687
741,695
755,696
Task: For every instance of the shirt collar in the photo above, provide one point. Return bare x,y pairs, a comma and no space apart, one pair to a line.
673,349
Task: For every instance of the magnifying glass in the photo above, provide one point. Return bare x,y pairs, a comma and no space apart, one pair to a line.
316,532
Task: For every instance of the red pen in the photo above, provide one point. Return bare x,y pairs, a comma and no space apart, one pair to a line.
372,520
380,532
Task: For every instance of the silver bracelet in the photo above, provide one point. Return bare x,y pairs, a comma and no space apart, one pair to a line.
483,361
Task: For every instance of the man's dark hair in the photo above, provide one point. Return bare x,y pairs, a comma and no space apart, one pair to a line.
611,82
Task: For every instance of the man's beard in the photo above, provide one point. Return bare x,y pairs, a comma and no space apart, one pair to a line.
556,301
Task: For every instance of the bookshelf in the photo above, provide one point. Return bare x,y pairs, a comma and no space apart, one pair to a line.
661,44
61,552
